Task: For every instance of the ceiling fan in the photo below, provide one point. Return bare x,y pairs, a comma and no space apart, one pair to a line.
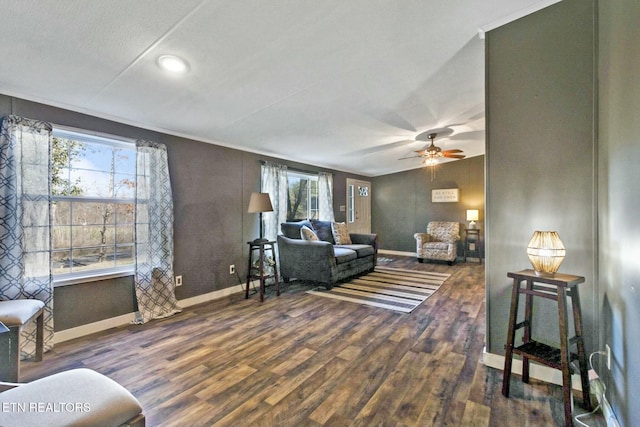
431,154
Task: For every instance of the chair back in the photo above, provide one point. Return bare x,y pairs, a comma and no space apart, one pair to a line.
444,231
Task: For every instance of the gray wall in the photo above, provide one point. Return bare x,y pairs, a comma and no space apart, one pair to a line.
619,202
401,202
211,187
540,157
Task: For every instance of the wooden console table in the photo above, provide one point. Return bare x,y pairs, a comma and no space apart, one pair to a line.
556,288
258,271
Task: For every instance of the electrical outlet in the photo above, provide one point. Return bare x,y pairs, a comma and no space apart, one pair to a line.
178,281
232,269
608,351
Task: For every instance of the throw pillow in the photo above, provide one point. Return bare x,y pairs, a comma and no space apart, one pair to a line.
307,234
340,233
323,230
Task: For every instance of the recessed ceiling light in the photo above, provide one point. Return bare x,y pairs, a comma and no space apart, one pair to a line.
173,64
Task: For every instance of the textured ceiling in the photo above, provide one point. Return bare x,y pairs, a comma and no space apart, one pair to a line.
343,84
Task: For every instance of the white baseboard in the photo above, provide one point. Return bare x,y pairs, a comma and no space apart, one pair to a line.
539,372
125,319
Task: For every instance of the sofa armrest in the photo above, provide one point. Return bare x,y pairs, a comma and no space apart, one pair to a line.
305,259
364,239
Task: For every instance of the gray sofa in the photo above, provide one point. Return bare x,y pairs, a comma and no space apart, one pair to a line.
323,261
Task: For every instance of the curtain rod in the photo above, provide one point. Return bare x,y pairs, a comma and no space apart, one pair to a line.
262,162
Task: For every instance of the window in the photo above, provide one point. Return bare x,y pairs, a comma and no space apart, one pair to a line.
93,195
302,202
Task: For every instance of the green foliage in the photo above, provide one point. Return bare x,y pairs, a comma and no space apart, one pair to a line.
63,152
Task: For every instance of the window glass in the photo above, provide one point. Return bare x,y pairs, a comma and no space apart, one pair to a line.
93,190
302,202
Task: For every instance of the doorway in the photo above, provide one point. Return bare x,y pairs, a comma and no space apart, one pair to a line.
358,206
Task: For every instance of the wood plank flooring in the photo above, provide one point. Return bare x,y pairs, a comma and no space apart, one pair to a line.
301,360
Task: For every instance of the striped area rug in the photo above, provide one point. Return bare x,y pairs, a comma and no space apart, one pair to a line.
391,288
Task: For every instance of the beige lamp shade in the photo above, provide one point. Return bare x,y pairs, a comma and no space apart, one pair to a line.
472,215
546,252
260,202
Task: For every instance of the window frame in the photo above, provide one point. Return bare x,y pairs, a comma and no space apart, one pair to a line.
87,276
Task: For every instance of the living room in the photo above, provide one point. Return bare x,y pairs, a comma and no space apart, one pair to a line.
561,153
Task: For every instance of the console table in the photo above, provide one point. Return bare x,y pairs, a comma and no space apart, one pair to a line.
556,288
258,271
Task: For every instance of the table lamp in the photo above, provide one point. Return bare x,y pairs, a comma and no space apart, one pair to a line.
472,215
546,252
259,203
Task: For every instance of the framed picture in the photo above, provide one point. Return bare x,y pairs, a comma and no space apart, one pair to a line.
445,195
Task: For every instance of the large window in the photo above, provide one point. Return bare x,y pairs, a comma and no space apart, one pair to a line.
93,193
303,196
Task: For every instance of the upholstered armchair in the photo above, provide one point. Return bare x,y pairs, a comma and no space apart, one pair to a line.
440,242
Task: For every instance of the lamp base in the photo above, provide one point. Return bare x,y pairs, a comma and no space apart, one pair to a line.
544,274
472,225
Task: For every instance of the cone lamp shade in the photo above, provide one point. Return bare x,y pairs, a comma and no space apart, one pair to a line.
546,252
258,203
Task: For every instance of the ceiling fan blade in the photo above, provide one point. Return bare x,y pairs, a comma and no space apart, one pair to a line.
455,150
421,152
410,157
454,156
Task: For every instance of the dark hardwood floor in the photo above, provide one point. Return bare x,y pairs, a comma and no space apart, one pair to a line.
302,360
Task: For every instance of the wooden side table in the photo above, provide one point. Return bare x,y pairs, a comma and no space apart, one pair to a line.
471,237
556,288
258,271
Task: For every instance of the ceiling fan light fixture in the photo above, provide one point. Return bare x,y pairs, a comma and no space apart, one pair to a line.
431,161
173,64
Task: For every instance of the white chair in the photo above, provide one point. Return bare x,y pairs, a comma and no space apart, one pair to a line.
79,397
14,314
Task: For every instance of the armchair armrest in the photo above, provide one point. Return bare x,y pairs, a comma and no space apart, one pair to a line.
422,238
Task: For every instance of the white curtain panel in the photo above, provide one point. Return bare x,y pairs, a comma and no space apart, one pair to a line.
25,220
274,182
325,197
155,289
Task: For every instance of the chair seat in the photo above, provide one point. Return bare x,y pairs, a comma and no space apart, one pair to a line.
18,312
79,397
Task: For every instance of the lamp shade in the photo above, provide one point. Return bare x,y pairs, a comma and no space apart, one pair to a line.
546,252
472,214
260,202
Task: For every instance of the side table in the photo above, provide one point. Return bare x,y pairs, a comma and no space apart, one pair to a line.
471,239
258,271
556,288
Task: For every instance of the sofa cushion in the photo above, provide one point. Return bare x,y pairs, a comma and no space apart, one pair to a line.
361,250
340,233
344,255
308,234
292,229
323,230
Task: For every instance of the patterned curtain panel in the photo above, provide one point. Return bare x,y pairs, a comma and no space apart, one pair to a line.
325,197
25,226
155,290
274,182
